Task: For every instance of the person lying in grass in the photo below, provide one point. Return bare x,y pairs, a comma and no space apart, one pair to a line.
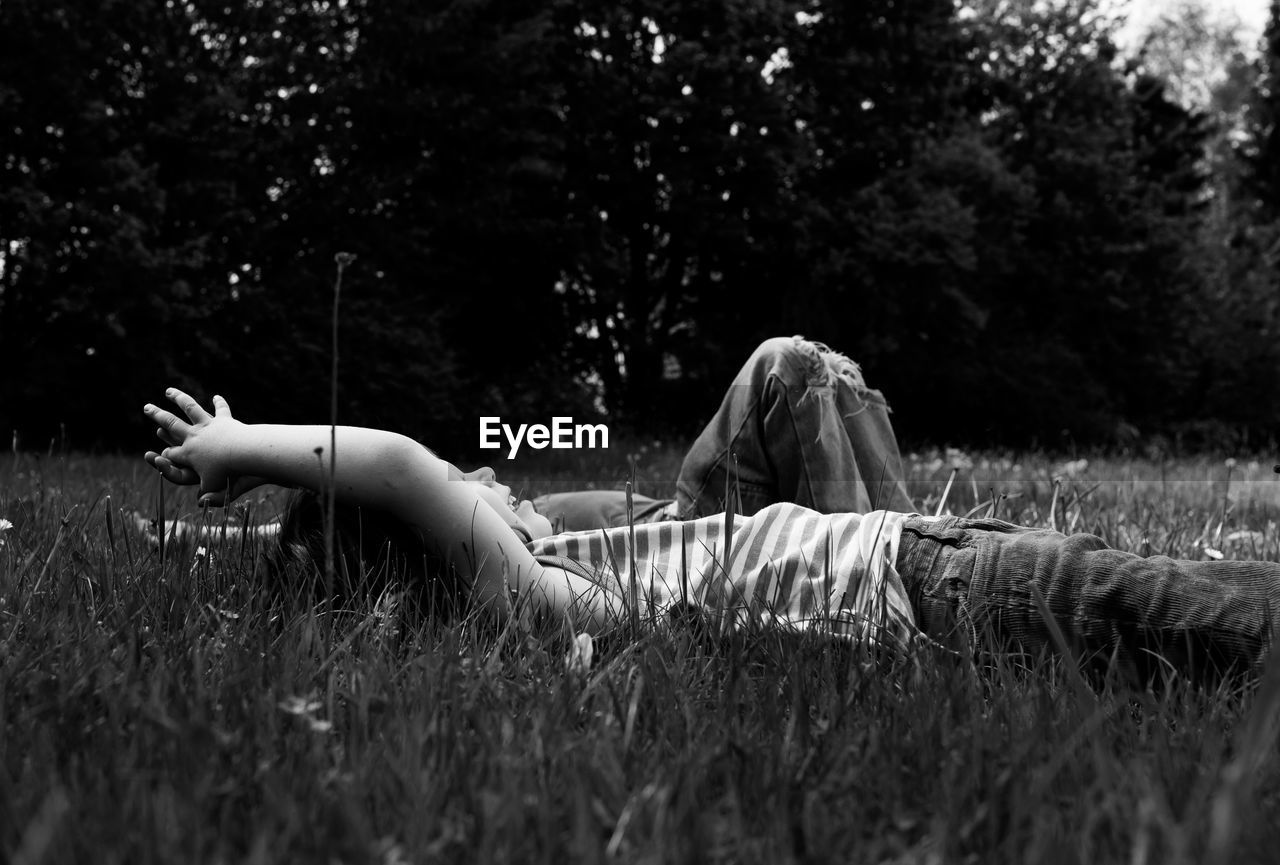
886,577
798,424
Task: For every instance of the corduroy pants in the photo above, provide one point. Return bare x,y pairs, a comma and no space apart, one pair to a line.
976,580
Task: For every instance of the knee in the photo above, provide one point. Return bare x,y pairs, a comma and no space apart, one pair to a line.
814,365
795,358
776,348
810,366
778,357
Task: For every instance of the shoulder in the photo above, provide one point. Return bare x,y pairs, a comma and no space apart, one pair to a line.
583,510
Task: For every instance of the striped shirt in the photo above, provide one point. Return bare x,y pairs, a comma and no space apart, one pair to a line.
786,566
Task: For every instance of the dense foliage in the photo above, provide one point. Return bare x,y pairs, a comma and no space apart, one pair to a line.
1020,231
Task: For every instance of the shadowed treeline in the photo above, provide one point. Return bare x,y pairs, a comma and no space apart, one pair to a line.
1012,224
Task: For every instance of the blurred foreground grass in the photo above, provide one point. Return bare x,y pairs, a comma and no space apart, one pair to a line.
169,710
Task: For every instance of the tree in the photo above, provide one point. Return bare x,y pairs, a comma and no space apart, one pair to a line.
682,157
1262,142
1006,210
114,202
1119,188
887,244
1196,52
550,203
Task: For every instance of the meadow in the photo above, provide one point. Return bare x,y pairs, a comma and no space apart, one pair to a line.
157,705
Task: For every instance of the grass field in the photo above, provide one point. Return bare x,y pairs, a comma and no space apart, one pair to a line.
163,708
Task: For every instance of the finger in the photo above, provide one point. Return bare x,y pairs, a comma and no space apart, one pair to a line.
159,461
164,436
221,408
211,500
168,421
171,471
192,409
175,473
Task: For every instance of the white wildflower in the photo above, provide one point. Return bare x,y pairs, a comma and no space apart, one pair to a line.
578,661
1211,553
200,555
5,525
959,460
304,709
299,705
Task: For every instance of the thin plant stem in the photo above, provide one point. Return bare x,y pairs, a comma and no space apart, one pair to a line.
342,259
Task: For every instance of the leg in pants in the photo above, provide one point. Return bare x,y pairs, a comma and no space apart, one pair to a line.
972,581
799,425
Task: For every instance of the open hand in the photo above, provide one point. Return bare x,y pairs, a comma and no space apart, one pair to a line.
199,448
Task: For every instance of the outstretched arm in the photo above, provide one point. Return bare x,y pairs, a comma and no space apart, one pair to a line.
378,469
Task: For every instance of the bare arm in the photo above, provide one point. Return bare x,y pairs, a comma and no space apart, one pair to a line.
378,469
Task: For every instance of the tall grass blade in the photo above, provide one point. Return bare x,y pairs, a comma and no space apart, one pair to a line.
946,491
633,590
1255,747
1072,663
